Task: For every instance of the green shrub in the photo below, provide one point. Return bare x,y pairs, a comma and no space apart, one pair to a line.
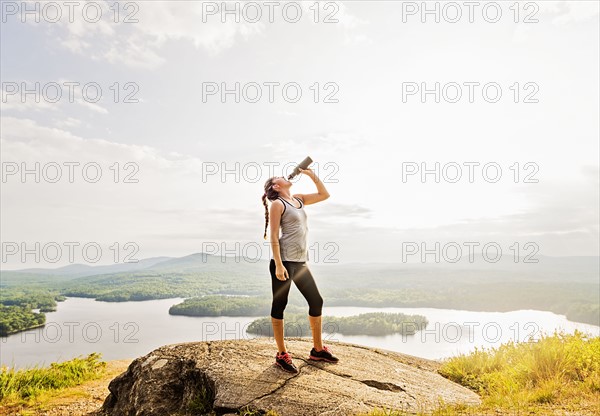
554,369
28,383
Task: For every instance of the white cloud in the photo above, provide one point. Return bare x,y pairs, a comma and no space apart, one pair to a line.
67,123
16,103
338,15
92,106
565,12
366,144
105,210
75,45
132,52
23,103
332,13
138,44
348,20
172,211
328,144
164,21
358,39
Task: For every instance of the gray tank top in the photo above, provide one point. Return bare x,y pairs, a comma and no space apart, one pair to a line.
292,243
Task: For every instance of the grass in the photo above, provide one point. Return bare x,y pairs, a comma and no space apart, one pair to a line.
557,369
558,374
25,385
202,402
247,411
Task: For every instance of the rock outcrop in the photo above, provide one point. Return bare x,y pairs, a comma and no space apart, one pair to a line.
226,376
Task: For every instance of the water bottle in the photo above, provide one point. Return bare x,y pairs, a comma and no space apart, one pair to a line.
303,165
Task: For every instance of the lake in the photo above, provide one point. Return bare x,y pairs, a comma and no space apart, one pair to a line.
126,330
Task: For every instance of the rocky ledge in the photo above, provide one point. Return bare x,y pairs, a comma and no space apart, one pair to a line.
223,377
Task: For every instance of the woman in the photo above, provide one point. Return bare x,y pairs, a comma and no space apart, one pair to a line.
290,255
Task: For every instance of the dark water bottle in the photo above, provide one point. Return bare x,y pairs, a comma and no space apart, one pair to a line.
303,165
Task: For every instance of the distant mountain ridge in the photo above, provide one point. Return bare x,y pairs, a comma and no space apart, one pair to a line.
81,270
196,260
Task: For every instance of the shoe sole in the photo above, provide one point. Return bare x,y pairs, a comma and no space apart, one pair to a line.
312,357
285,369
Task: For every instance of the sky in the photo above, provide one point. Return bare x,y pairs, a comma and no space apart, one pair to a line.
145,147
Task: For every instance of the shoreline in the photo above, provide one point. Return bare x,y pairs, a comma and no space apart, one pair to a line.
21,330
342,306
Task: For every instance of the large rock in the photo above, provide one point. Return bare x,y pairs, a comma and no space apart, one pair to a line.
226,376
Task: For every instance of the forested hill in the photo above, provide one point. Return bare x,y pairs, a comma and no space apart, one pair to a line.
564,285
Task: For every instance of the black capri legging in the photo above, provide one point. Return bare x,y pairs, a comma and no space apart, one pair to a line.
300,274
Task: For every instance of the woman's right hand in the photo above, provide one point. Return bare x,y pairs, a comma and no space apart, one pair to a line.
281,273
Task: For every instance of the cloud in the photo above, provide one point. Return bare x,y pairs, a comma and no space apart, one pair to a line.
15,102
562,221
348,20
168,198
74,44
163,21
20,103
333,211
171,211
335,13
558,13
567,12
92,106
340,16
67,123
138,44
328,143
132,52
357,39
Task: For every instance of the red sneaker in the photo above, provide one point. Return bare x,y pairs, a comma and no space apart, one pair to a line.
326,354
285,362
